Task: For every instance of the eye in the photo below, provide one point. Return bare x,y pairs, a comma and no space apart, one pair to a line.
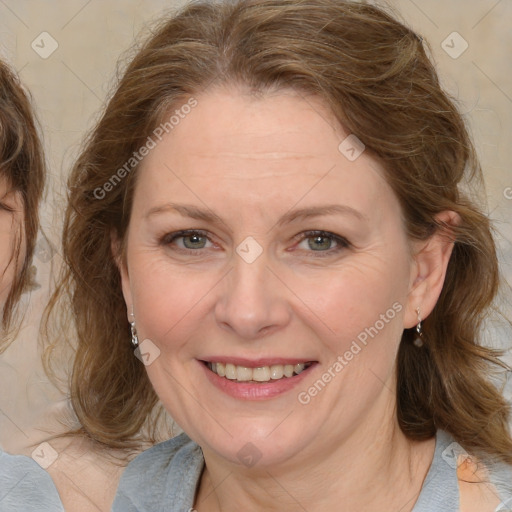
193,240
322,241
188,240
3,206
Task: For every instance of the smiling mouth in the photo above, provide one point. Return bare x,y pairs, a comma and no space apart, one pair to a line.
262,374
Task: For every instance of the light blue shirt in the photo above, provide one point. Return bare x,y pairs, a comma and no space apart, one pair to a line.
26,487
165,478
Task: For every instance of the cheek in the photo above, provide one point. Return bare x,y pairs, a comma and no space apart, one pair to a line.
359,323
354,298
169,301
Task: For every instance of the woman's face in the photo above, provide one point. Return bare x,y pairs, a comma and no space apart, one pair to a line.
294,253
11,218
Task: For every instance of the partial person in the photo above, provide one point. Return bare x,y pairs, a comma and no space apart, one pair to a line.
24,485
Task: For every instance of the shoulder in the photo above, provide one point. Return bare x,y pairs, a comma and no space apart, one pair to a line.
24,485
166,473
484,487
85,474
466,481
175,452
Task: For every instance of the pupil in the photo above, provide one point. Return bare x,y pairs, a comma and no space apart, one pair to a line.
193,241
321,242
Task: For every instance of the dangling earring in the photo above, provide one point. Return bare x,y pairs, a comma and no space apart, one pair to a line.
135,339
418,340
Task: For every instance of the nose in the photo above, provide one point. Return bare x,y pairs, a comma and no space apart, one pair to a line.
252,301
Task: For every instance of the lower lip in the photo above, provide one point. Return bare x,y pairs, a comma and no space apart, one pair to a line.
255,391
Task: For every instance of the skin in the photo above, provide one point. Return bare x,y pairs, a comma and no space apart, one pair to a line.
251,160
86,477
11,218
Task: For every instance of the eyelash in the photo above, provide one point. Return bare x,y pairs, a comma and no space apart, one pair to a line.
341,242
3,206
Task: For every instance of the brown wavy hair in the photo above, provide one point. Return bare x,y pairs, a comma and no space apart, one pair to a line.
375,75
22,164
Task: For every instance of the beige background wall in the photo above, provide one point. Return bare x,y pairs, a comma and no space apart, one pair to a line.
69,87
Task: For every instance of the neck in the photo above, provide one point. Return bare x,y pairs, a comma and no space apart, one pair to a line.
375,468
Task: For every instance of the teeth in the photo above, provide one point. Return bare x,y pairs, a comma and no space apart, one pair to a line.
288,370
299,367
243,374
262,374
220,370
230,371
276,371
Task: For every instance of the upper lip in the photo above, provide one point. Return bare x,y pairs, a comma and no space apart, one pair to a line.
257,363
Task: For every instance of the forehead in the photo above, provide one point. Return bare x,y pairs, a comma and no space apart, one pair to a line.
237,124
281,147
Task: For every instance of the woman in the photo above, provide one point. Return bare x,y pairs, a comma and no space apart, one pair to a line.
24,485
271,209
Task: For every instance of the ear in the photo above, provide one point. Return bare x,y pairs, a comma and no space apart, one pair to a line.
428,268
117,252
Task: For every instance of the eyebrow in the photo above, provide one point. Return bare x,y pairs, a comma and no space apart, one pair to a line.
318,211
193,212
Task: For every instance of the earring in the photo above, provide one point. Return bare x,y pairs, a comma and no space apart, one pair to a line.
135,339
418,340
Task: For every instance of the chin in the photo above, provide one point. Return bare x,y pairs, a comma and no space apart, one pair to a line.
258,446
